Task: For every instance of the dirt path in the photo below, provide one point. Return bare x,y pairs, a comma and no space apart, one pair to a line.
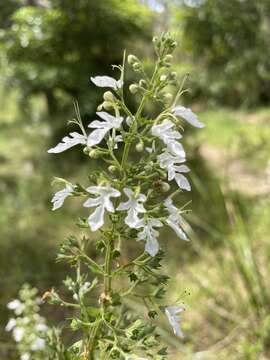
236,172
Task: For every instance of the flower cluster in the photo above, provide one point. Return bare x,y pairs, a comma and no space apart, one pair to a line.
131,199
28,327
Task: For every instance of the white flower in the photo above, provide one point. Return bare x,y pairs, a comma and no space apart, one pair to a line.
107,81
60,196
38,344
102,127
188,115
42,327
134,206
175,220
170,162
165,132
101,202
171,313
85,288
11,324
18,333
16,306
67,142
149,234
25,356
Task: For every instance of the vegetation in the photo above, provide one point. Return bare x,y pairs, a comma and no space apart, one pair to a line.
222,273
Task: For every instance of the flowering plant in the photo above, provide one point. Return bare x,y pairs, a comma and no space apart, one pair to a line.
130,198
28,328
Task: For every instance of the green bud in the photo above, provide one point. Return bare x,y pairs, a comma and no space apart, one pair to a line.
112,169
86,150
108,96
174,44
173,75
133,88
168,58
136,66
140,146
107,105
165,187
155,40
94,154
132,59
142,83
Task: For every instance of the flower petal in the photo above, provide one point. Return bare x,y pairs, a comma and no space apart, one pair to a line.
188,115
106,81
96,137
182,182
96,219
68,142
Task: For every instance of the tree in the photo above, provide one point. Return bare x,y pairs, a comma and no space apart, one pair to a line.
229,43
54,46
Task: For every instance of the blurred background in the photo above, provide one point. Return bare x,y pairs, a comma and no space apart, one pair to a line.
48,51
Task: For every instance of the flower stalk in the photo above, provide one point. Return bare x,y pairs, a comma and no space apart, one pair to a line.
131,200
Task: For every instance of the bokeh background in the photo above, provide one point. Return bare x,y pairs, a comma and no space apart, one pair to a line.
48,50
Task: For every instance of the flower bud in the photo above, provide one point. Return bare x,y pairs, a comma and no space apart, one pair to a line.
163,77
136,66
173,75
155,39
133,88
168,58
100,107
112,169
140,146
108,96
132,59
86,150
94,154
174,44
107,105
142,83
165,187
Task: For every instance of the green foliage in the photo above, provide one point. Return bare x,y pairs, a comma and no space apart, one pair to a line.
52,49
230,51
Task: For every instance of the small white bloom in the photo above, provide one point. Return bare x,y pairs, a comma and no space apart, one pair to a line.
25,356
149,234
170,162
60,196
188,115
18,333
85,288
107,81
16,305
67,142
102,127
169,136
38,344
173,317
175,220
42,327
102,202
10,325
134,206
